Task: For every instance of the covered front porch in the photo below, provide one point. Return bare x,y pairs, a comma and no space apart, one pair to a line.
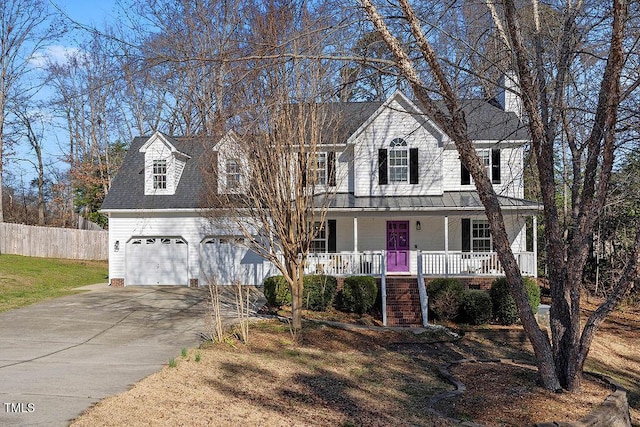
432,263
442,244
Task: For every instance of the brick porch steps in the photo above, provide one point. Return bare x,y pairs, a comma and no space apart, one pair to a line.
403,302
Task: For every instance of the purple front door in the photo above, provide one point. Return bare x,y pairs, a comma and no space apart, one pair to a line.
398,246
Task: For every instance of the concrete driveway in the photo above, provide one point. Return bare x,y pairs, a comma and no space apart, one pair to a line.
59,357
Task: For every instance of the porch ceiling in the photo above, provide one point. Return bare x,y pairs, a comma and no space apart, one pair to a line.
462,201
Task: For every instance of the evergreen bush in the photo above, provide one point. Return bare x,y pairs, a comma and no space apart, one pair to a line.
476,307
504,306
318,291
276,291
445,296
358,294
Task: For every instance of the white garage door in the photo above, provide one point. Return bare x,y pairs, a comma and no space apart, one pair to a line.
226,259
156,261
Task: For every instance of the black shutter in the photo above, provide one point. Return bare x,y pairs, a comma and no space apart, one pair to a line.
466,235
495,165
303,168
331,168
331,236
413,166
382,166
465,178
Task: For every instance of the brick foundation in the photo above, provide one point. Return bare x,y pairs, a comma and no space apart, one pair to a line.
116,283
193,283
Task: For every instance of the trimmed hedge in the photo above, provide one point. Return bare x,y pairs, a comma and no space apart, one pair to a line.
476,307
318,292
504,306
358,294
276,291
445,296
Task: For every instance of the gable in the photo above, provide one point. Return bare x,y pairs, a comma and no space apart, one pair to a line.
396,125
128,188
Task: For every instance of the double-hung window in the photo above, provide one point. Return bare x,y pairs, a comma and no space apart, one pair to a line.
159,175
233,173
319,168
398,161
490,159
319,243
480,236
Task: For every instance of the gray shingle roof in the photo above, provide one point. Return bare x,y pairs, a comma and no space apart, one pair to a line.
485,122
127,189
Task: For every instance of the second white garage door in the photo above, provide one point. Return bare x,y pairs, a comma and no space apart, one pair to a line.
157,261
226,259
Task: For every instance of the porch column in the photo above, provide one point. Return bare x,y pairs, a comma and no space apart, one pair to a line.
535,246
446,246
355,234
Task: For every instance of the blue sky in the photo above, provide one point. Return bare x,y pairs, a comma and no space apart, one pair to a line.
87,12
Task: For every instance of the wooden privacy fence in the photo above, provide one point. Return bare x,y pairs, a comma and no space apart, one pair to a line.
50,242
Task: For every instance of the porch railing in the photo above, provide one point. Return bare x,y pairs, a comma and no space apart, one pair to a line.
472,263
345,263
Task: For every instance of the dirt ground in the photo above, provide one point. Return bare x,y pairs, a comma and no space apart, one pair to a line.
337,377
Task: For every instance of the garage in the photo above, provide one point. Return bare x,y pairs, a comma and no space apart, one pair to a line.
157,261
228,260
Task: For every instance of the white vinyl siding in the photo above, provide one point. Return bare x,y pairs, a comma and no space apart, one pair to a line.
511,169
390,124
191,227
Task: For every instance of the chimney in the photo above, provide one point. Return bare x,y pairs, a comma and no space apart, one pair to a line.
509,95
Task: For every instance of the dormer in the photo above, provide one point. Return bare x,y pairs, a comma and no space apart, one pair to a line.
163,165
233,165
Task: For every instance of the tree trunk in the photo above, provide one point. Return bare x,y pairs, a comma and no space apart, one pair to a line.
296,287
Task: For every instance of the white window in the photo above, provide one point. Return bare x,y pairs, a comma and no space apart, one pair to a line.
480,236
485,158
233,173
159,174
319,244
399,161
318,168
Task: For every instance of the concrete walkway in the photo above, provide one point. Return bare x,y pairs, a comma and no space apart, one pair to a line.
59,357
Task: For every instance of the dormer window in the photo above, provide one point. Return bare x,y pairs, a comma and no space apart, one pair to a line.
163,165
233,173
159,175
398,161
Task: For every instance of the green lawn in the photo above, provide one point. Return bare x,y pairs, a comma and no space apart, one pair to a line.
27,280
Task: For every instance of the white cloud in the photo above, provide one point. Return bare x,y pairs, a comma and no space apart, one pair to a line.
56,54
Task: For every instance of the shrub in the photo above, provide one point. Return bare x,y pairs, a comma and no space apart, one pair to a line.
358,294
445,296
276,291
504,306
318,292
476,307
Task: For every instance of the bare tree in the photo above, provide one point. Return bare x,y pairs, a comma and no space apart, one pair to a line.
34,136
544,77
286,132
23,33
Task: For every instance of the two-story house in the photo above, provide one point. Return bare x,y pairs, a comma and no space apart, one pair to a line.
403,204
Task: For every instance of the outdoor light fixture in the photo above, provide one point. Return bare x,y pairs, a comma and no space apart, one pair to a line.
418,225
116,246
